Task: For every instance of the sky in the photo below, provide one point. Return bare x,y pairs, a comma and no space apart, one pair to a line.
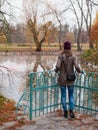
17,11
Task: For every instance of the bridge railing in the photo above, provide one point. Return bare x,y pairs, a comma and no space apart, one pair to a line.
43,94
86,93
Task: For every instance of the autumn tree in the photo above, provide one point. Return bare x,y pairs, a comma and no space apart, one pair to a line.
94,31
52,35
36,21
2,39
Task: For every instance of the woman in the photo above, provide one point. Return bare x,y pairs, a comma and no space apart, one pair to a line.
65,65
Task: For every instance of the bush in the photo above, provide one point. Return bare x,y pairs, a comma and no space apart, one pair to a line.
2,100
6,102
90,56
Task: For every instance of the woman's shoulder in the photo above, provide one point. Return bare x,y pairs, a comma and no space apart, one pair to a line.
73,55
61,53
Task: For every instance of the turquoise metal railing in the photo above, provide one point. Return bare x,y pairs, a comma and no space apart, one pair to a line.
43,94
86,94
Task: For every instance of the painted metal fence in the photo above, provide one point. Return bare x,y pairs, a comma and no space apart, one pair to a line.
43,94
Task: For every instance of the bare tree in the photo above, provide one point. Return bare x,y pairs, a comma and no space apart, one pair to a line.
59,16
43,29
85,7
56,14
6,73
5,28
79,21
87,15
6,17
36,21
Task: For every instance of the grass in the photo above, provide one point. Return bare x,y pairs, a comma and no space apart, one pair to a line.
31,47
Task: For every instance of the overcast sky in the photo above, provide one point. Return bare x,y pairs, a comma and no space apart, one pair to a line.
17,11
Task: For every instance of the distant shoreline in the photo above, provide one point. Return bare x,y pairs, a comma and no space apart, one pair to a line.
33,52
29,53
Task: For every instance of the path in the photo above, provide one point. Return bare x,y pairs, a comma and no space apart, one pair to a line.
56,121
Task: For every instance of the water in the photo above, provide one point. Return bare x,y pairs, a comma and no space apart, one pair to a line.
14,72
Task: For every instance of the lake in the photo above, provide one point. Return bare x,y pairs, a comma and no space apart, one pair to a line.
14,70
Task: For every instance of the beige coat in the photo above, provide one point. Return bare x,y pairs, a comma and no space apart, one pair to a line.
70,61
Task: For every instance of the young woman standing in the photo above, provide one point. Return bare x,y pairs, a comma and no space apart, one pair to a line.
66,64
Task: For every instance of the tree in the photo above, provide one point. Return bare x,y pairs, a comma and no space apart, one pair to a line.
87,15
79,20
85,7
7,31
94,31
44,30
65,30
6,73
5,28
28,35
58,15
84,37
52,35
18,35
36,21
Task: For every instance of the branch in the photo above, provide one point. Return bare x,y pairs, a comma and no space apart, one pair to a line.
4,71
45,28
94,3
13,5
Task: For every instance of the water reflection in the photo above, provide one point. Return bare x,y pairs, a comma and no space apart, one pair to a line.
12,86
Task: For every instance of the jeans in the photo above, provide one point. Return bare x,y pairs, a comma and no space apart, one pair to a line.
70,97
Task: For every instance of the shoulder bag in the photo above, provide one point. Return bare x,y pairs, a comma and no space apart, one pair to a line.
70,77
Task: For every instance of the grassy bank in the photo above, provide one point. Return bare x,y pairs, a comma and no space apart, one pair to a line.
31,47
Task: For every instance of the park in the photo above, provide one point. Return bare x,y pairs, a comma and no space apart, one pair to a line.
32,34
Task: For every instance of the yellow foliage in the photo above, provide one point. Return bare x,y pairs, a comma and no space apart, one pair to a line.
94,30
3,39
96,19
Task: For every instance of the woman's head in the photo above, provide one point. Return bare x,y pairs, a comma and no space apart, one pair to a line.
67,45
67,48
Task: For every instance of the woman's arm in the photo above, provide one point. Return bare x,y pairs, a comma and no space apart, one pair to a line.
58,64
78,69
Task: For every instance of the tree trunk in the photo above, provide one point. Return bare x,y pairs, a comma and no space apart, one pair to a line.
78,40
8,38
38,46
91,46
60,37
78,45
